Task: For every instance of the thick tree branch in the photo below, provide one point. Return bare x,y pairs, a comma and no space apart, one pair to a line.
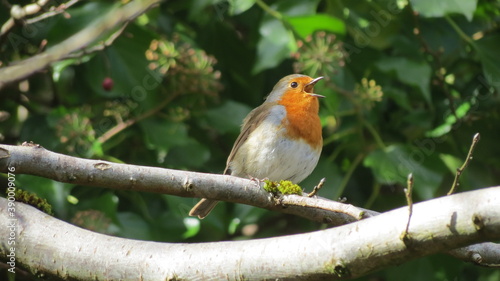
347,251
483,254
77,42
35,160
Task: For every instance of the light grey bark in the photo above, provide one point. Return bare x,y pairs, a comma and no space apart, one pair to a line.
35,160
50,247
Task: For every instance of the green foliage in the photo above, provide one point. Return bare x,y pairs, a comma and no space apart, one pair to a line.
407,85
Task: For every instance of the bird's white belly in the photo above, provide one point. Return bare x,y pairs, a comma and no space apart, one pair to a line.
268,153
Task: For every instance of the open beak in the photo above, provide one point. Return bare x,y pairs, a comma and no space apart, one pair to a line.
309,87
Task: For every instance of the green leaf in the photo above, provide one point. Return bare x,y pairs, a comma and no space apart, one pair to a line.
37,128
125,63
171,140
306,25
172,228
452,162
410,72
399,96
81,17
273,47
423,270
487,49
217,118
383,164
163,134
192,225
333,177
394,164
449,121
433,8
277,42
133,226
106,203
191,154
296,8
240,6
198,8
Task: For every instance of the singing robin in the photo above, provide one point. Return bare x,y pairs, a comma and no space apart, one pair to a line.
279,140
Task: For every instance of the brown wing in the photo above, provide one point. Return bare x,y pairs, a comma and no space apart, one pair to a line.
253,119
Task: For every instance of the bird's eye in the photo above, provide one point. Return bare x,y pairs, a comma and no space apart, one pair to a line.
294,84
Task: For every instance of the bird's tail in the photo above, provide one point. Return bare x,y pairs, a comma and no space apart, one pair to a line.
203,208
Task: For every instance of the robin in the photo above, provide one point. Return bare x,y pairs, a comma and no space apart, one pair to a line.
279,140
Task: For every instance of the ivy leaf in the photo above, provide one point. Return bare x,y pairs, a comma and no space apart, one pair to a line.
240,6
410,72
277,42
162,135
393,164
487,49
433,8
273,47
216,118
306,25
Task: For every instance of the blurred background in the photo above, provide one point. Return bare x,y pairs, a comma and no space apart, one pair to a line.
408,84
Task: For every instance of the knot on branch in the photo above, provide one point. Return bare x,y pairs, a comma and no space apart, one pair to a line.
341,270
187,184
102,166
478,222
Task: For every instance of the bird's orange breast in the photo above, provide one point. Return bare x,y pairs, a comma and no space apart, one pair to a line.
302,120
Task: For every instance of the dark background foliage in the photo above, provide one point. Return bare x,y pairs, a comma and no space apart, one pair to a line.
408,83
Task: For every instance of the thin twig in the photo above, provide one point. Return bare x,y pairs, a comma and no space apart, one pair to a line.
460,170
17,13
324,204
459,31
82,39
124,125
317,188
348,175
373,196
99,47
53,11
374,133
408,193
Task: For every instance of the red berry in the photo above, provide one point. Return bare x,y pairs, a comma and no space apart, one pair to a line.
107,84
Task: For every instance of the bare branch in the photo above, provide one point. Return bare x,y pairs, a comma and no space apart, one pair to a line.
324,204
35,160
123,125
408,193
82,39
53,11
98,47
484,254
17,13
317,188
460,170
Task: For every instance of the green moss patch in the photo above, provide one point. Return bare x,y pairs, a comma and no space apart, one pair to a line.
282,187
